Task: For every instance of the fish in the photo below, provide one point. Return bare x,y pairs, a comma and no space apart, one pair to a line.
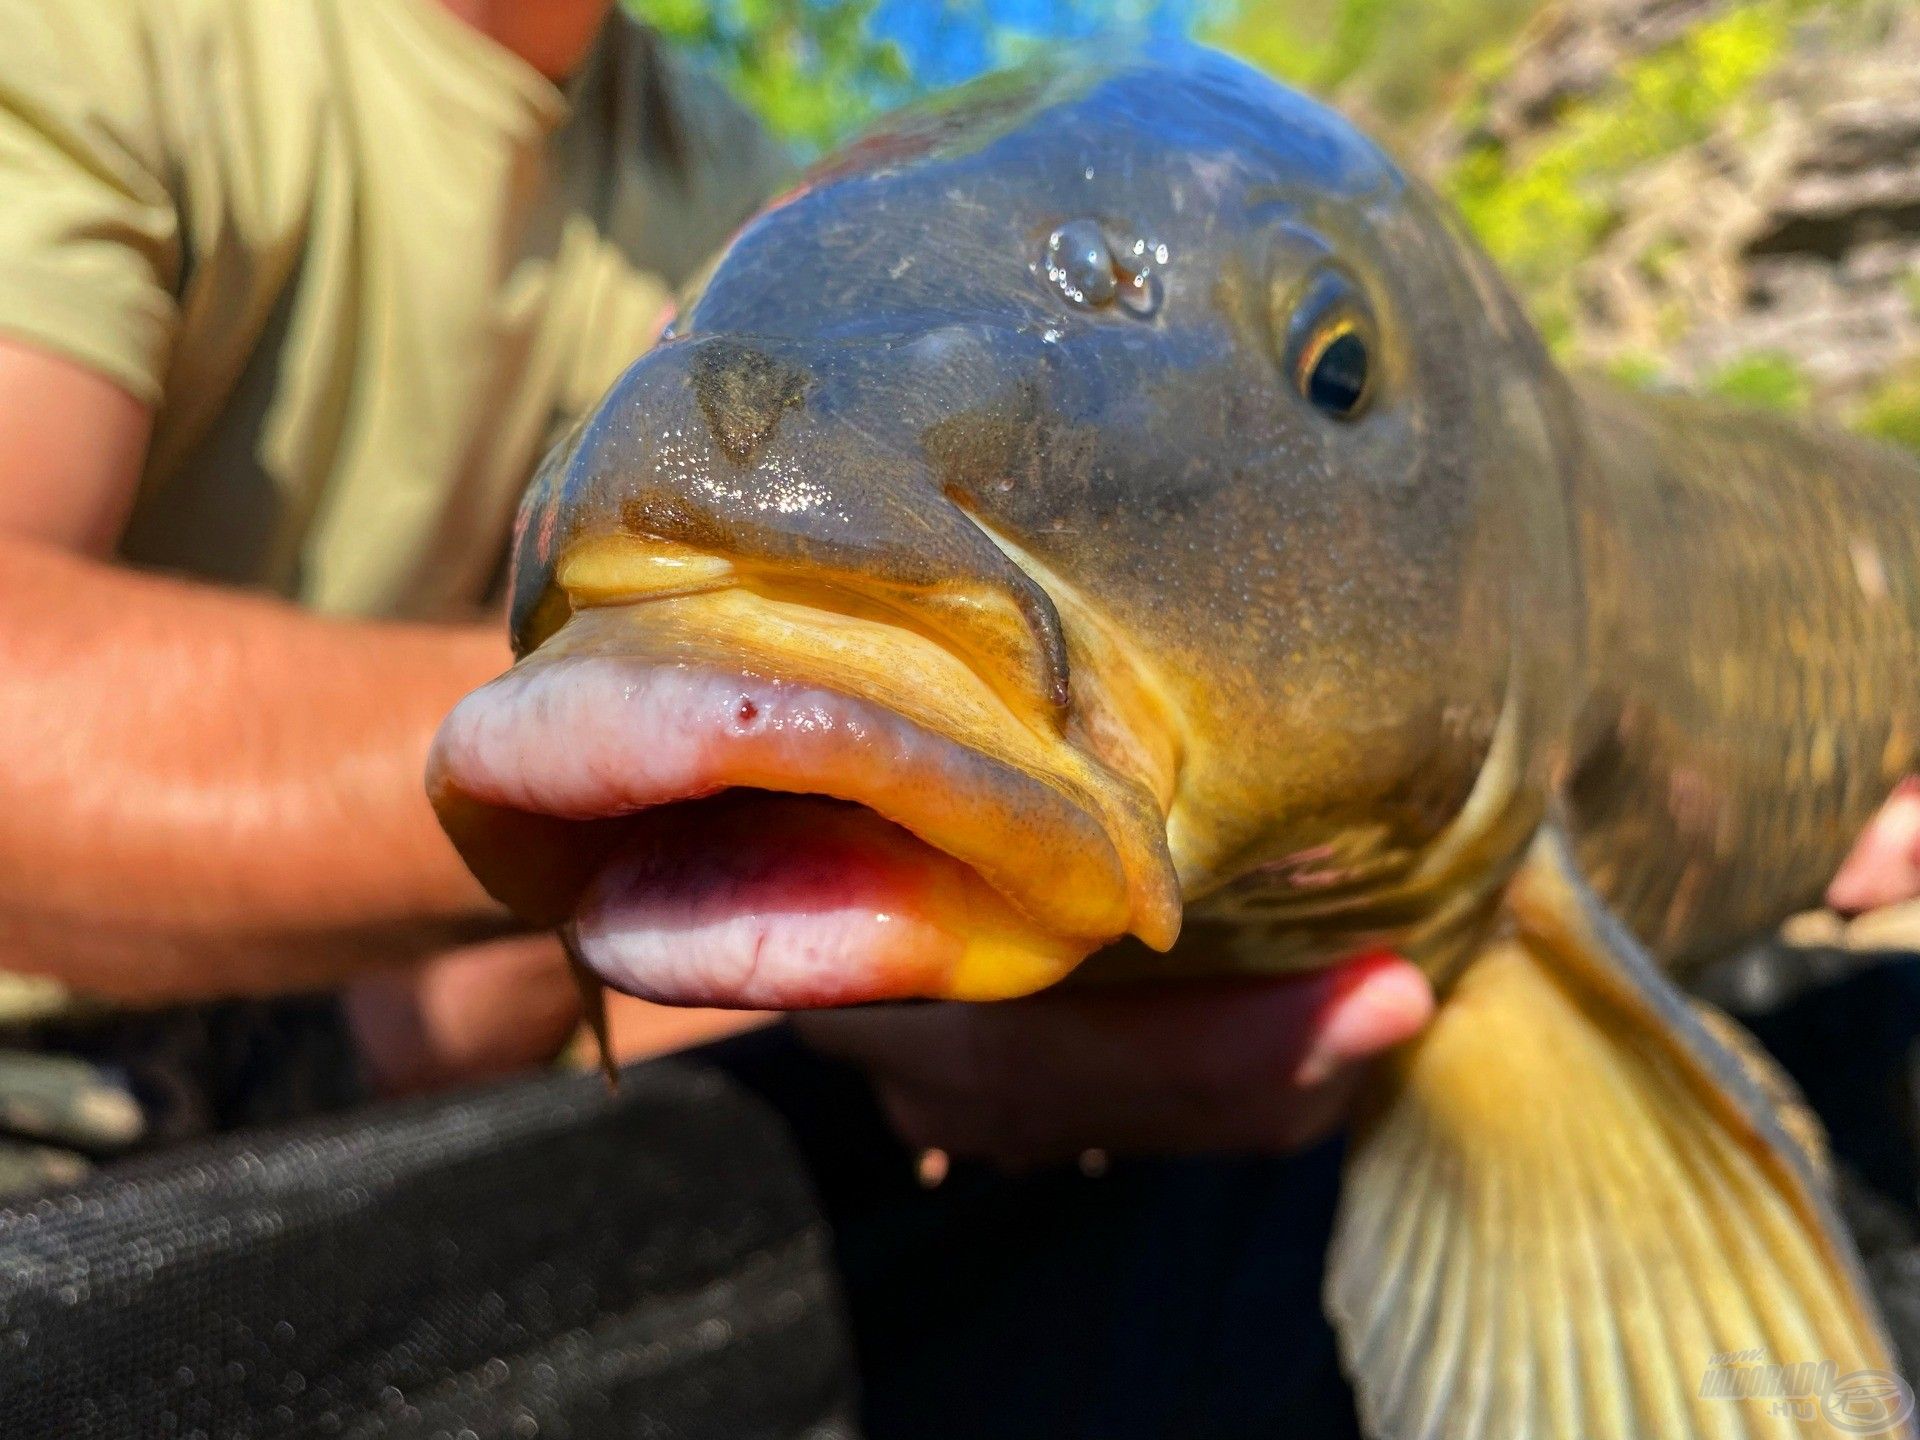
1109,523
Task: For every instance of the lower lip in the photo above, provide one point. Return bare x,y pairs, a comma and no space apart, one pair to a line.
766,901
529,773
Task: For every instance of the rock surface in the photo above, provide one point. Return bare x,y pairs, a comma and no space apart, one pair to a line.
1771,242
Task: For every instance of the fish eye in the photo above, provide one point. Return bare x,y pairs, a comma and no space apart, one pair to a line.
1330,346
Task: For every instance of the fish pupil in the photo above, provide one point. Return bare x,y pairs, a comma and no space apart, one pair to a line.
1337,382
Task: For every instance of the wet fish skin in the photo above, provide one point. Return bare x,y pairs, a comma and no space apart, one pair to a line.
1752,688
1283,584
1547,686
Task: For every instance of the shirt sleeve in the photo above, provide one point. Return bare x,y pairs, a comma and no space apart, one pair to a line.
89,233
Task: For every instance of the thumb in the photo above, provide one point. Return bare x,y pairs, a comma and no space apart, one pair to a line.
1884,867
472,1014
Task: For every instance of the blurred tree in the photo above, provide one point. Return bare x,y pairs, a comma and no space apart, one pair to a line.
812,69
1396,61
816,69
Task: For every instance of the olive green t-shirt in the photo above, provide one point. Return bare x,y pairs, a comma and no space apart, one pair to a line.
364,262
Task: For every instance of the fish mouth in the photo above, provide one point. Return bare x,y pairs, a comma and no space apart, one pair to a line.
726,800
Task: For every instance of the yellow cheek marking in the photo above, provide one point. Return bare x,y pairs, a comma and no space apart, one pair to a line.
1003,955
998,967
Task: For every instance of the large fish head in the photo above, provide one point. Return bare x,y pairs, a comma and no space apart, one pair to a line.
1108,489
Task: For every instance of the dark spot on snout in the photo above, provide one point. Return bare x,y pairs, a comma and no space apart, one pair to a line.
743,392
747,712
664,515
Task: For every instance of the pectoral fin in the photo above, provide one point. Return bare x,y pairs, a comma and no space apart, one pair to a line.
1569,1197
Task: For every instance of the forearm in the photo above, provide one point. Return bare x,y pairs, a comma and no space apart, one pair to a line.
205,792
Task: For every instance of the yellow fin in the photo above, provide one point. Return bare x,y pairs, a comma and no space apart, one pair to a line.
1569,1212
1795,1115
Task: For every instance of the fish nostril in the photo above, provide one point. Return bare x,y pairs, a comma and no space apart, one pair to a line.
1094,266
1080,263
744,392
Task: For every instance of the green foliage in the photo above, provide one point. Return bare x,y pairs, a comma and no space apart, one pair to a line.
1637,372
1536,210
1764,379
1893,412
1396,59
809,68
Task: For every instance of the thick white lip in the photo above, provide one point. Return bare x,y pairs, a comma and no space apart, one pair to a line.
582,738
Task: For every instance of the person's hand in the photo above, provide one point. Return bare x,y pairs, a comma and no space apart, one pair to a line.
492,1010
1884,867
1244,1065
473,1014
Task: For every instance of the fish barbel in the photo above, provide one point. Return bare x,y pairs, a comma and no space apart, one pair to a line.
1110,521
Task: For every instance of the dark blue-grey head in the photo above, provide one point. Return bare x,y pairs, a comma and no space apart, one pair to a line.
1157,345
947,211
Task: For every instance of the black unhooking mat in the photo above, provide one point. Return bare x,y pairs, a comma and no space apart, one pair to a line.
541,1261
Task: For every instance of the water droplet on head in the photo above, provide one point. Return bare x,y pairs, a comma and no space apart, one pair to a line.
1094,266
1080,264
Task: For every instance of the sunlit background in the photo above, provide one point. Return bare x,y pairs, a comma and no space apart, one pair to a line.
1719,195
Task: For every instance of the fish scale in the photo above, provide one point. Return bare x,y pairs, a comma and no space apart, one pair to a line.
1753,667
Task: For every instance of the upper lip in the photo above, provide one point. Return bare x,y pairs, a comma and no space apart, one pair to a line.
578,733
1007,630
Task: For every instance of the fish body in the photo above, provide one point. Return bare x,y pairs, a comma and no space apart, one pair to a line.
1752,689
1111,521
